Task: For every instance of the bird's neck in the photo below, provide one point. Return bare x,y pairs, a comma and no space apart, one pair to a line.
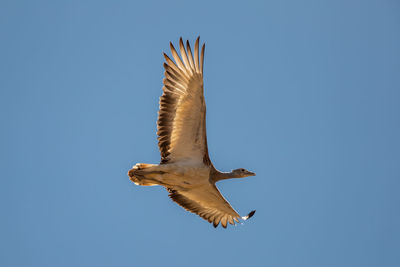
224,175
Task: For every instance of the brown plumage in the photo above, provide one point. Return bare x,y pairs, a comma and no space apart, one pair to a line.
186,170
182,108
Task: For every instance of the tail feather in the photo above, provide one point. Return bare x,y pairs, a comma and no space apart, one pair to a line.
138,172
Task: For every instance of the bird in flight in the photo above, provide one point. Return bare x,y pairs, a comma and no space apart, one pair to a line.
186,170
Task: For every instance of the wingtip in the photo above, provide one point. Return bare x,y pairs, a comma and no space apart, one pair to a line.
248,216
171,46
251,213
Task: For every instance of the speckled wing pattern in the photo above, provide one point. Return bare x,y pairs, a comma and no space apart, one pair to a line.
181,125
207,202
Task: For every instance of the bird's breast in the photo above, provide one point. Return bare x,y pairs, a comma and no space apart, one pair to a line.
186,176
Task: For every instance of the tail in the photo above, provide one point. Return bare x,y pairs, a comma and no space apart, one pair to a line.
137,174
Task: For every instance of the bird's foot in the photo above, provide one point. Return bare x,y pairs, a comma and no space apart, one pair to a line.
134,177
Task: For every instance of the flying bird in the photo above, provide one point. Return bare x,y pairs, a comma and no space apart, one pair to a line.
186,170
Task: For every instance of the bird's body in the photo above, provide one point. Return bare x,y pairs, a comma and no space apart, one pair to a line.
173,175
186,170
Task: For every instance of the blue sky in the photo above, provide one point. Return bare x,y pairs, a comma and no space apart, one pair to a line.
304,93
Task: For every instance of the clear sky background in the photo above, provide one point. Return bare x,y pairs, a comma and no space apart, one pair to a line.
304,93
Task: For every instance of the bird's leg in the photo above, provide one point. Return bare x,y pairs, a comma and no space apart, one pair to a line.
138,174
135,171
146,174
139,179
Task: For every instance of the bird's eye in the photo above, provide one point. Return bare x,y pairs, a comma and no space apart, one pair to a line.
242,170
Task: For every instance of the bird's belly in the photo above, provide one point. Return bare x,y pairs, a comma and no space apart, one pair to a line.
186,176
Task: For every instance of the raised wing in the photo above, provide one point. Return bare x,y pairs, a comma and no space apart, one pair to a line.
207,202
181,125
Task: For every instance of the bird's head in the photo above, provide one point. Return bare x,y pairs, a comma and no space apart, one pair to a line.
241,173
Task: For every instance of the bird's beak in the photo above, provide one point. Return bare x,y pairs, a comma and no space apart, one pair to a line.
251,173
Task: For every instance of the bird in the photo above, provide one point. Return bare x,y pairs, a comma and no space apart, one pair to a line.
185,169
